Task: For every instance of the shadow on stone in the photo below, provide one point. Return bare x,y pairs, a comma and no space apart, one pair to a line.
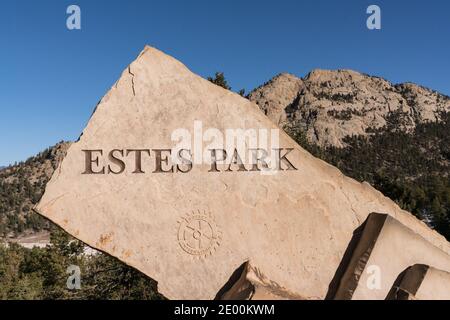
230,283
407,283
334,284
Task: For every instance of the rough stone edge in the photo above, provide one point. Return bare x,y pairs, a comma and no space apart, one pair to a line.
360,256
252,284
408,283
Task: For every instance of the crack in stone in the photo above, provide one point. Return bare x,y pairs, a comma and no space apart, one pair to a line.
350,203
132,80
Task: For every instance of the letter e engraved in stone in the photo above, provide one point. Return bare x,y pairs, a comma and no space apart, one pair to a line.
89,161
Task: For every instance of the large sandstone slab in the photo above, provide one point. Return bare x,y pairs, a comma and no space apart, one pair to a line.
191,231
385,249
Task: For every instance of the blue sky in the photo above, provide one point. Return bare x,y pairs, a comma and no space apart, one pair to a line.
51,78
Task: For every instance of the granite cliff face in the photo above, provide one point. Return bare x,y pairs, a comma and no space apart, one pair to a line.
331,105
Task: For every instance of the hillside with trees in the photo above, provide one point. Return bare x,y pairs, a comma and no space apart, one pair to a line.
21,187
41,273
394,136
410,168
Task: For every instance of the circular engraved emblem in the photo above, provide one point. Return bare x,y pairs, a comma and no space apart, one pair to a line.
198,234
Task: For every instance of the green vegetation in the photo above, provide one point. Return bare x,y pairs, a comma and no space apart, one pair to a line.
42,273
410,168
21,187
219,79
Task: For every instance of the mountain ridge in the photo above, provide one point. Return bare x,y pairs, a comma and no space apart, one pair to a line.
405,155
333,104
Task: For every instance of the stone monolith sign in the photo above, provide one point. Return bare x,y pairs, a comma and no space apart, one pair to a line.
150,183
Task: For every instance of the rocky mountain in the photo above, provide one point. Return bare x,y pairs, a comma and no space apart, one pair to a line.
21,186
395,137
331,105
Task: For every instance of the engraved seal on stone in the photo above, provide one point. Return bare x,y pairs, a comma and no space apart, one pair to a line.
198,234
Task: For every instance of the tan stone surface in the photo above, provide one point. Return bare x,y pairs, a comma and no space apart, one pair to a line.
422,282
435,285
274,96
251,284
386,249
294,225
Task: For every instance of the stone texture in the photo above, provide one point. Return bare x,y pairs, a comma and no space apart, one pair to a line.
331,105
250,284
390,247
294,226
422,282
274,96
435,285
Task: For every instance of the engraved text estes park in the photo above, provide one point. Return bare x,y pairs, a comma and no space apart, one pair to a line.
138,161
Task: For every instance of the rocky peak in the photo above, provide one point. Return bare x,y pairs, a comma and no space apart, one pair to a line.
332,104
275,95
